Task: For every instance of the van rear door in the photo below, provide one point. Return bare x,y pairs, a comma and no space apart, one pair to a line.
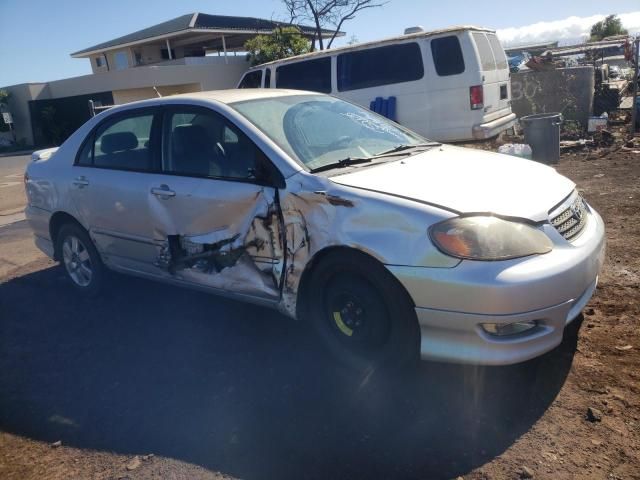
495,73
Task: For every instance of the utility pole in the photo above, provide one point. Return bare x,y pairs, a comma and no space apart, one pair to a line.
634,108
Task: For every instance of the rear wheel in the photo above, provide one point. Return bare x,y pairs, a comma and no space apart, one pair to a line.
362,313
80,259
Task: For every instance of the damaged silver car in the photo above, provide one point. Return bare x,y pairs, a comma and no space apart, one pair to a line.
392,246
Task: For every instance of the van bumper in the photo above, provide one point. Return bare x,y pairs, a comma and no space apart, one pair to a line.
491,129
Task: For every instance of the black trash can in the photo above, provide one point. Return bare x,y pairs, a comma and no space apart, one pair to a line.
542,133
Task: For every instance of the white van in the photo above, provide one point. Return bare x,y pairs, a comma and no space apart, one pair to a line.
448,85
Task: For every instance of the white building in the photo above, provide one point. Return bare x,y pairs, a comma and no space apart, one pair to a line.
190,53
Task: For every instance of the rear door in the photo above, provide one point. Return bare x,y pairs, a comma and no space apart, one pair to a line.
111,179
217,217
495,72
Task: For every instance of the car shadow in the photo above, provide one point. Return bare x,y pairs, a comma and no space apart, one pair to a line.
243,390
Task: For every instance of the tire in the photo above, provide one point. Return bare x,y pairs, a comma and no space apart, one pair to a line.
362,314
80,259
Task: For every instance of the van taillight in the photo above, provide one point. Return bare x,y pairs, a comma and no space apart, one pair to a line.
476,97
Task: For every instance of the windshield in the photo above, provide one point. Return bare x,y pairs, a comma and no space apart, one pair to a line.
320,130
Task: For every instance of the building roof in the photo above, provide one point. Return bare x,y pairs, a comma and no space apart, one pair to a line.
197,23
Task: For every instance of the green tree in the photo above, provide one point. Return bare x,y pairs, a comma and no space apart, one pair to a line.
282,43
608,27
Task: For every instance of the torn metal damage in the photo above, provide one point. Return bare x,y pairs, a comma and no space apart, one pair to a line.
262,244
245,256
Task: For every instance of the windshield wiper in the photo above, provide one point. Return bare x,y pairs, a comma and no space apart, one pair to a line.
345,162
402,147
394,152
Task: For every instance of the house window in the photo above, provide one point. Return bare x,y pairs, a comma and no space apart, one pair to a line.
100,62
164,53
121,60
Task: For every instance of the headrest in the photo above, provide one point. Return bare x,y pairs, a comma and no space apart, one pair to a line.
117,142
189,137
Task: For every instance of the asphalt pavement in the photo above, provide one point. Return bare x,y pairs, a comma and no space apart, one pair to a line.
235,388
12,196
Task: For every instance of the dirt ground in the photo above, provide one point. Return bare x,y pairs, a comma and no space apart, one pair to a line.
246,394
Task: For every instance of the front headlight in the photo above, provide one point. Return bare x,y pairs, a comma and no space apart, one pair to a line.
488,238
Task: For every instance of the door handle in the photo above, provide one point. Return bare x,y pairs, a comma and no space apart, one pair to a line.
163,191
81,181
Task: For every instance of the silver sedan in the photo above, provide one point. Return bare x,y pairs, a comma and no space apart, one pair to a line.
393,247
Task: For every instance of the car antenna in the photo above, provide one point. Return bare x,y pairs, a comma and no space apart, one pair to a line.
157,92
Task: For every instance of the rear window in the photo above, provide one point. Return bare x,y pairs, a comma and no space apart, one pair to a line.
447,55
380,66
251,80
314,75
498,52
484,50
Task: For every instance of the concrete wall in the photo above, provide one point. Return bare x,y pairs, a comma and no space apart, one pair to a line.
135,94
208,73
210,77
19,108
565,90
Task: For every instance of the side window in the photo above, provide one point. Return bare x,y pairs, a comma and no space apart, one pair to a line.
379,66
267,78
447,55
314,75
251,79
484,50
124,144
498,52
85,156
202,143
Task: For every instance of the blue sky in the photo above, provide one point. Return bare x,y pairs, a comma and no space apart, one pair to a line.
37,36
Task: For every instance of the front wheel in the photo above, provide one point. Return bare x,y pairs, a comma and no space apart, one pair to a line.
80,259
363,315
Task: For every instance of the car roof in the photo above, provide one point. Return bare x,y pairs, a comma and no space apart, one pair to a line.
216,96
212,96
374,43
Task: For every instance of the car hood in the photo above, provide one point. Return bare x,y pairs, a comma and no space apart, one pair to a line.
466,180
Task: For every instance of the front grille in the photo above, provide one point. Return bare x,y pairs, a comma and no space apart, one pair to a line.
571,217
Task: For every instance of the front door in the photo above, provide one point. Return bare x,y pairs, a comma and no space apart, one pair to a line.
219,226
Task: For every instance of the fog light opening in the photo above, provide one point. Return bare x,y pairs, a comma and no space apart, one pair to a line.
506,329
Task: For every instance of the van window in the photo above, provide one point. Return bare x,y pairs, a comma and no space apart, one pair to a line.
251,80
484,50
314,75
447,55
267,78
498,52
379,66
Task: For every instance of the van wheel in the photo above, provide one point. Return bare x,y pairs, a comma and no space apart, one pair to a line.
80,259
362,314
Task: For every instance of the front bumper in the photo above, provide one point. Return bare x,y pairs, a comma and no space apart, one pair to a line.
549,289
491,129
